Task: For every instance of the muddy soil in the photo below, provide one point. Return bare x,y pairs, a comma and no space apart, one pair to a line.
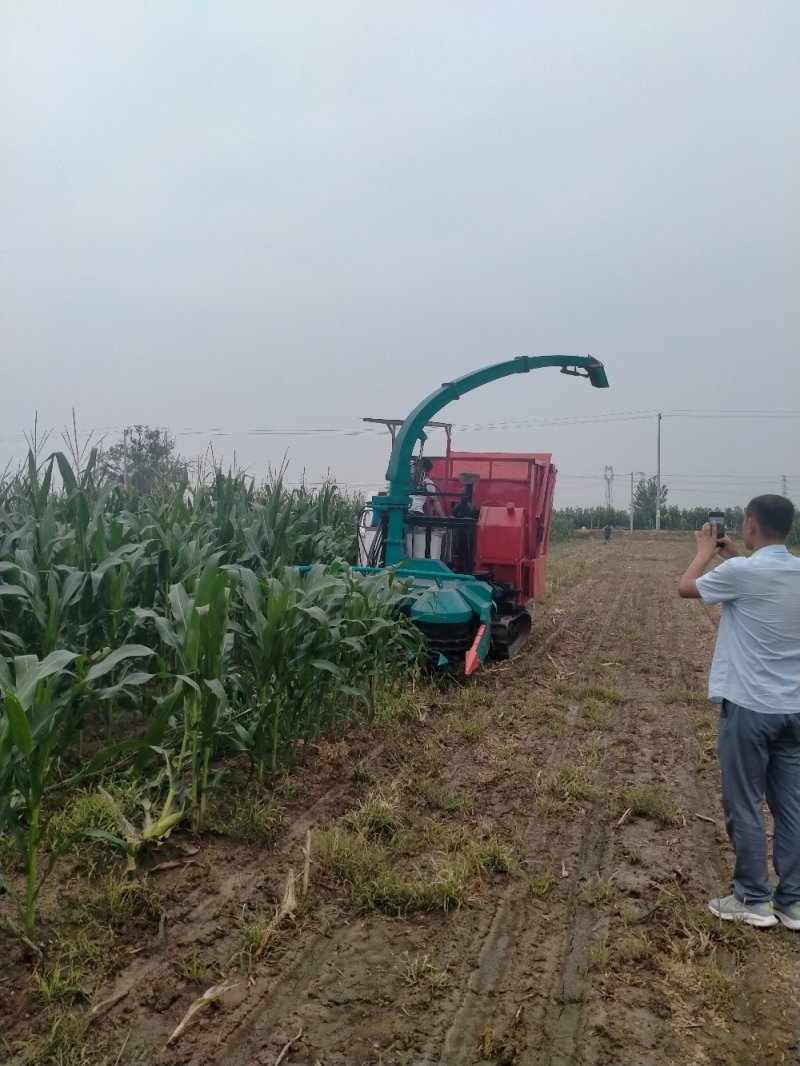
559,823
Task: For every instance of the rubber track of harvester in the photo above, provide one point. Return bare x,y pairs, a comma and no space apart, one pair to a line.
510,634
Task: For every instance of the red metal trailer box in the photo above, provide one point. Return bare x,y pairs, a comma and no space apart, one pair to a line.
515,499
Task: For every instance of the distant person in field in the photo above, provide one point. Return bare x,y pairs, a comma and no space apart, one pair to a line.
606,534
755,677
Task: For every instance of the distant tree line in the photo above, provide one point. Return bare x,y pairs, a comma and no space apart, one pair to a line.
678,519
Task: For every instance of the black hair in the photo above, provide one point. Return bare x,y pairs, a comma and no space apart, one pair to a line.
773,515
426,464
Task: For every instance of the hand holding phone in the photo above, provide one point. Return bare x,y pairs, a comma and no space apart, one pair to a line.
717,518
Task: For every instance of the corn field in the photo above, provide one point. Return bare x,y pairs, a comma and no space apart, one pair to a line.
205,635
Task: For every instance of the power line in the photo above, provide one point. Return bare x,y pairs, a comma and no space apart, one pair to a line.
475,427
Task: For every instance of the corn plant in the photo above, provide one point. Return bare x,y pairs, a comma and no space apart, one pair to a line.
40,714
197,642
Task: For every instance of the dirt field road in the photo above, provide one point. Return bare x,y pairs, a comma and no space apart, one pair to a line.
510,872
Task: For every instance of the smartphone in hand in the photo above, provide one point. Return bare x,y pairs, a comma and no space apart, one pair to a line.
717,518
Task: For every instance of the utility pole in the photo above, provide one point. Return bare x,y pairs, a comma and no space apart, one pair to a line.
658,475
608,474
125,458
631,501
784,485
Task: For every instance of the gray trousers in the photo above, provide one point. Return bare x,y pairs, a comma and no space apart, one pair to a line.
759,756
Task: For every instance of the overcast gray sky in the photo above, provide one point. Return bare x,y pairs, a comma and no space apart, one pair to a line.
245,216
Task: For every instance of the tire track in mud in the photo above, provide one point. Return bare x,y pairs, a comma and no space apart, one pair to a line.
503,941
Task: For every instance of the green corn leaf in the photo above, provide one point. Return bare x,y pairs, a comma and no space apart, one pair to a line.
73,584
100,834
5,673
18,724
12,590
135,677
189,681
215,685
65,470
348,690
328,667
180,604
35,671
127,651
101,761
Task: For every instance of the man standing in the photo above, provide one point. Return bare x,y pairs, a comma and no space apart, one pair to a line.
426,490
755,676
423,541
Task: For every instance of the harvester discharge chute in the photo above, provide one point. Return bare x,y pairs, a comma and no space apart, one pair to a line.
474,568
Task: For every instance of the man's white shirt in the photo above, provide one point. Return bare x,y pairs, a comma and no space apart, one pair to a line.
757,657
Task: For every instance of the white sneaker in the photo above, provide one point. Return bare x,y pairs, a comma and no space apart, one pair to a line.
790,916
733,910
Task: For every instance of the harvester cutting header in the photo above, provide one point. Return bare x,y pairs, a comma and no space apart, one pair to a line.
477,563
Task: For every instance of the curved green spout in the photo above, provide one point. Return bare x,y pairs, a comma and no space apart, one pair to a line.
398,473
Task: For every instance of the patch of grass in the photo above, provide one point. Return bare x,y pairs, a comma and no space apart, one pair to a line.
92,810
378,817
550,806
439,796
391,707
90,949
287,789
591,751
556,728
704,742
362,775
362,866
471,729
605,693
541,885
479,849
600,955
119,902
468,696
718,988
693,697
350,858
649,803
633,855
396,893
254,937
632,947
438,835
488,856
9,855
64,1044
598,890
197,970
419,970
647,714
595,712
689,931
573,781
629,913
250,818
60,982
